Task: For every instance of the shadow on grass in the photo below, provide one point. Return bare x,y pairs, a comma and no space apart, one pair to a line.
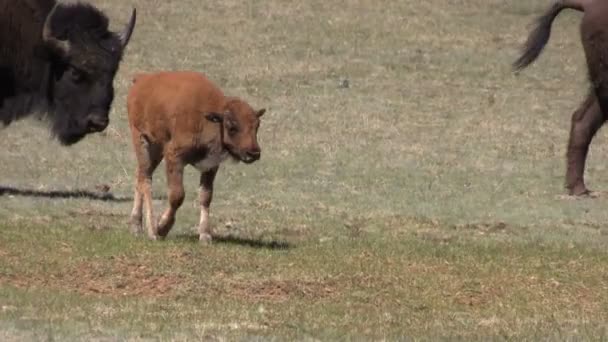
235,240
99,196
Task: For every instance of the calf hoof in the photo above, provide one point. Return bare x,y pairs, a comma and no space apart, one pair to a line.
135,226
136,230
163,232
153,237
164,226
205,239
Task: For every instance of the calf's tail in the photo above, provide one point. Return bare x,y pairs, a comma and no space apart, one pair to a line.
539,36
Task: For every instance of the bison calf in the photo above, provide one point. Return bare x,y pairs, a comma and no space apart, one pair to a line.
185,119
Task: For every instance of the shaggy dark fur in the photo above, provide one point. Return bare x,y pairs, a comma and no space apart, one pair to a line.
72,85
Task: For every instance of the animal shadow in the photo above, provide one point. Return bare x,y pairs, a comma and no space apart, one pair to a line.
241,241
62,194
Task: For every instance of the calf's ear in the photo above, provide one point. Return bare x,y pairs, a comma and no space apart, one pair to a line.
261,112
214,117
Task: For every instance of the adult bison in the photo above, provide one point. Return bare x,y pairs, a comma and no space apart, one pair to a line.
60,60
590,116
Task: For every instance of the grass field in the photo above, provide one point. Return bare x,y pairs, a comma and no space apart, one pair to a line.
424,200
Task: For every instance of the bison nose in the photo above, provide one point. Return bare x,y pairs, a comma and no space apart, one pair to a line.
254,155
97,124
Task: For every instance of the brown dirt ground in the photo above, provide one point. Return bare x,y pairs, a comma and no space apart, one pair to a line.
125,277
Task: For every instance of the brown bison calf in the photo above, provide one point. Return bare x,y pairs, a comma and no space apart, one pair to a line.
185,119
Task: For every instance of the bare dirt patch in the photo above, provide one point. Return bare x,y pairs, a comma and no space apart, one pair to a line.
121,277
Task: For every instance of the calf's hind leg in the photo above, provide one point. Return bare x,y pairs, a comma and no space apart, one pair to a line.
586,121
148,157
206,195
175,175
136,213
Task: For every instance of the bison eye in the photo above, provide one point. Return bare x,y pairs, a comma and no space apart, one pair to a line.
76,75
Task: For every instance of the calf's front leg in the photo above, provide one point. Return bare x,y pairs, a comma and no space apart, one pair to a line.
175,175
206,194
136,212
148,157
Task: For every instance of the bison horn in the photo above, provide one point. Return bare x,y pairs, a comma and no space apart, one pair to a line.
125,35
47,35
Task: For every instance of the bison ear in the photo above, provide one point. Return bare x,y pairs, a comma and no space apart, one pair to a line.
214,117
261,112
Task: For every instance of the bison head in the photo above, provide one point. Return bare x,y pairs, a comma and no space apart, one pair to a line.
84,57
240,129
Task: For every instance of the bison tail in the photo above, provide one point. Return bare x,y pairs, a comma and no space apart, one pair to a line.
539,36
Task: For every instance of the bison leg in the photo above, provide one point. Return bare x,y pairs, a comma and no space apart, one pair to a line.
586,121
136,213
148,157
206,194
175,175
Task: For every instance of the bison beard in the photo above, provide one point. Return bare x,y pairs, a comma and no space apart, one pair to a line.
59,61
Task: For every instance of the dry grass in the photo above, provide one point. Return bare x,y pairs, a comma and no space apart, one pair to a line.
410,186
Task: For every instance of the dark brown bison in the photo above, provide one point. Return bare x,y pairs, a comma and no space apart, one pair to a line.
590,116
185,119
60,60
